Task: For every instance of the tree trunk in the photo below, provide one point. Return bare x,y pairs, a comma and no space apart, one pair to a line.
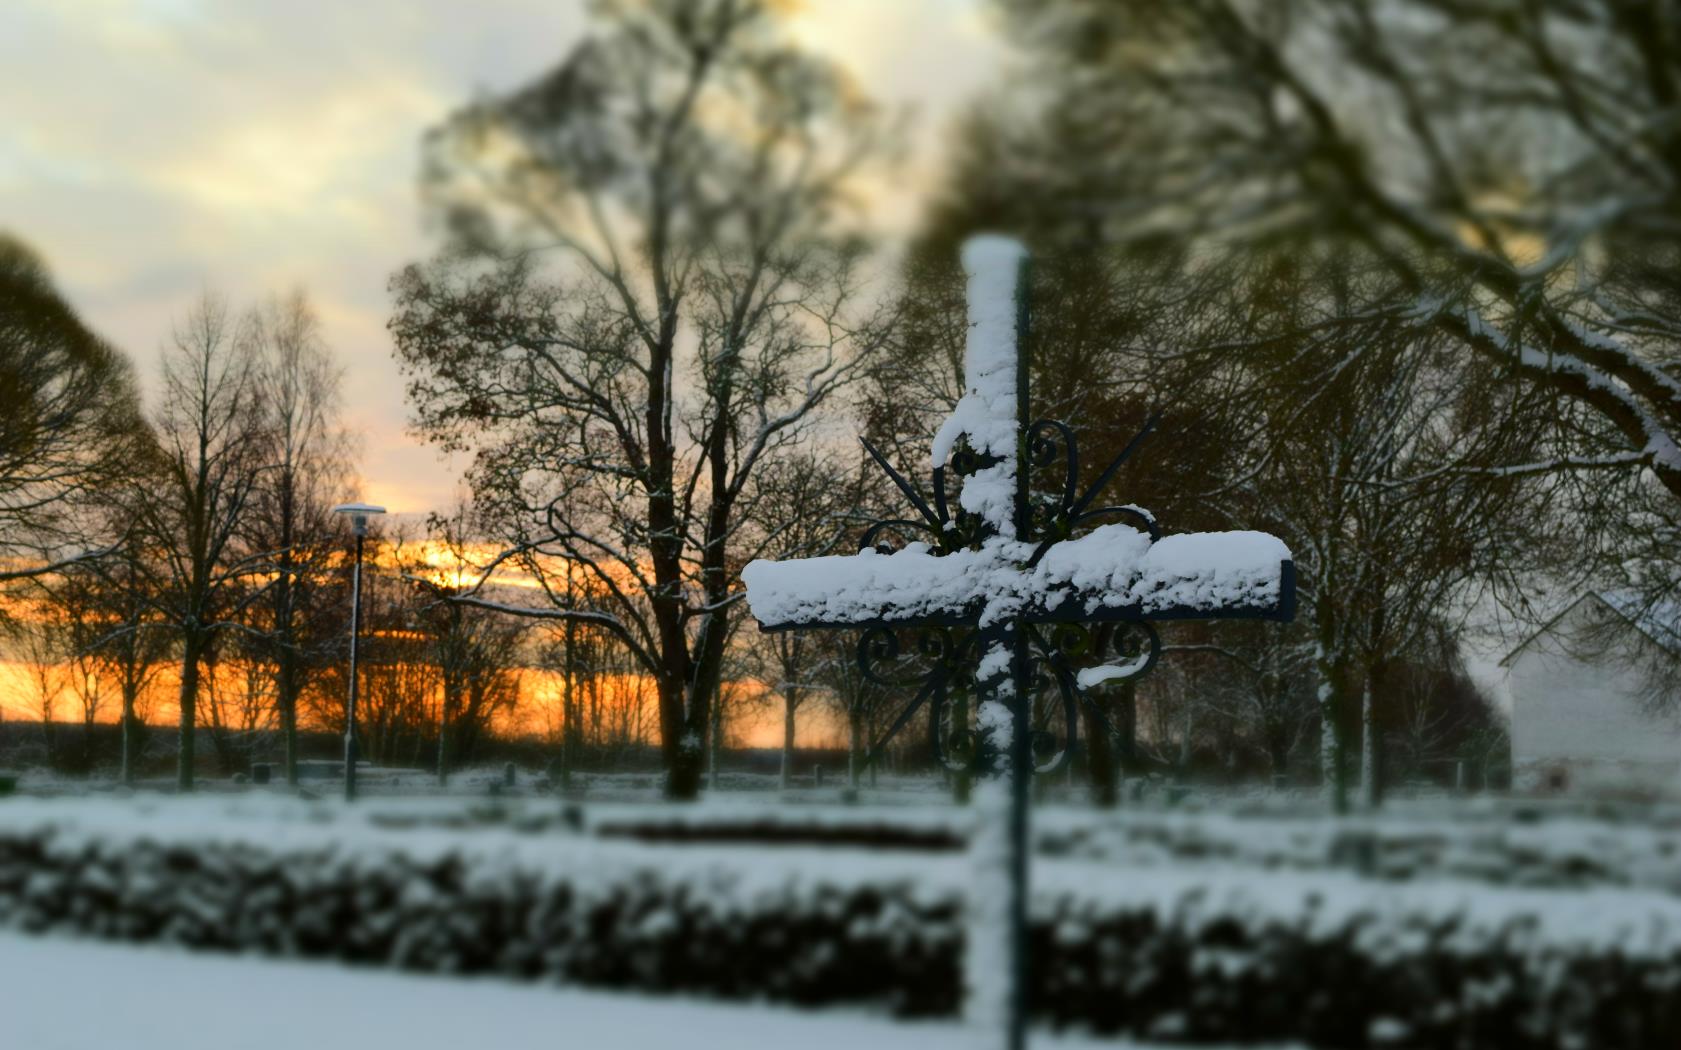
286,671
1368,748
289,738
571,730
443,739
1182,760
1100,761
682,747
49,740
129,733
192,649
962,781
684,773
714,740
1332,672
286,704
853,747
1128,727
1372,771
1278,755
1330,753
788,702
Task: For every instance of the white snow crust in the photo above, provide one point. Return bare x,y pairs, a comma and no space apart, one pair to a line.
1113,566
986,413
151,997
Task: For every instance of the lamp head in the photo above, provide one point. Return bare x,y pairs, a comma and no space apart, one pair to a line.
359,513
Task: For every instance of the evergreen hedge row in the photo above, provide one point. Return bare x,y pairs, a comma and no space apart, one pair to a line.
1326,960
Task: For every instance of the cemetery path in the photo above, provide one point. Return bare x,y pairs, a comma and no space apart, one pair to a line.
79,995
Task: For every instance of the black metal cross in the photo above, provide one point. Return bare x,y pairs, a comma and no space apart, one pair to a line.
1004,591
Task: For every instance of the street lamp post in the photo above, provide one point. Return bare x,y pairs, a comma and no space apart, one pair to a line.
359,514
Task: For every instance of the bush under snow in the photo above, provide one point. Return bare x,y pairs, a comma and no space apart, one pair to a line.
1324,958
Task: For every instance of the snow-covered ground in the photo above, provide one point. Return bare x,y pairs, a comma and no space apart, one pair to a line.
1574,924
74,995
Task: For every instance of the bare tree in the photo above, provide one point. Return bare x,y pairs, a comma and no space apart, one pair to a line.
213,448
71,423
647,297
1261,682
238,699
863,705
399,688
812,506
42,649
112,607
1379,466
477,654
297,385
1513,168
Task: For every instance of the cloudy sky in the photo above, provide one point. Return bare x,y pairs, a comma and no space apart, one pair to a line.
153,148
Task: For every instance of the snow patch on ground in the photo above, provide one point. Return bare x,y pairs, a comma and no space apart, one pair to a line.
73,995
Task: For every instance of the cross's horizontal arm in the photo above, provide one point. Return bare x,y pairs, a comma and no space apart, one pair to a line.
1113,573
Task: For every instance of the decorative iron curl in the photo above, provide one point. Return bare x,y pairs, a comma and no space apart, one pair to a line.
1128,510
954,745
1049,440
1059,652
872,536
1067,699
945,658
952,713
1067,645
880,647
947,652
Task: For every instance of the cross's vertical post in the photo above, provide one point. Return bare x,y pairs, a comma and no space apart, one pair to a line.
996,925
1021,710
1010,602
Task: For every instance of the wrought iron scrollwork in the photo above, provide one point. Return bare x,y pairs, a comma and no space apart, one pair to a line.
1138,515
1061,649
1056,716
934,649
1049,440
872,535
938,657
940,662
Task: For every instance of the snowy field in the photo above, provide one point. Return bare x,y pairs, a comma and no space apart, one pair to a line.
154,997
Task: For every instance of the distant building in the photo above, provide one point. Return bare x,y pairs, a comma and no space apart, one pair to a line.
1593,710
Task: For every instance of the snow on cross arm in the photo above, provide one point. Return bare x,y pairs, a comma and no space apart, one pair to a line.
1113,572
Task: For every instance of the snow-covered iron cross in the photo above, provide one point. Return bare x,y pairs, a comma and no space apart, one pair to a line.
1010,591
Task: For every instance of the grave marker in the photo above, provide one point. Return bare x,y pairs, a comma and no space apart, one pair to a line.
1003,591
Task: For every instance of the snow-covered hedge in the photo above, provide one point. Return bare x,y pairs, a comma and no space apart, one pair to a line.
1566,852
1557,851
1326,959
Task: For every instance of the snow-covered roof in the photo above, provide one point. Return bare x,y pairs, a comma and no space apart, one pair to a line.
1658,621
